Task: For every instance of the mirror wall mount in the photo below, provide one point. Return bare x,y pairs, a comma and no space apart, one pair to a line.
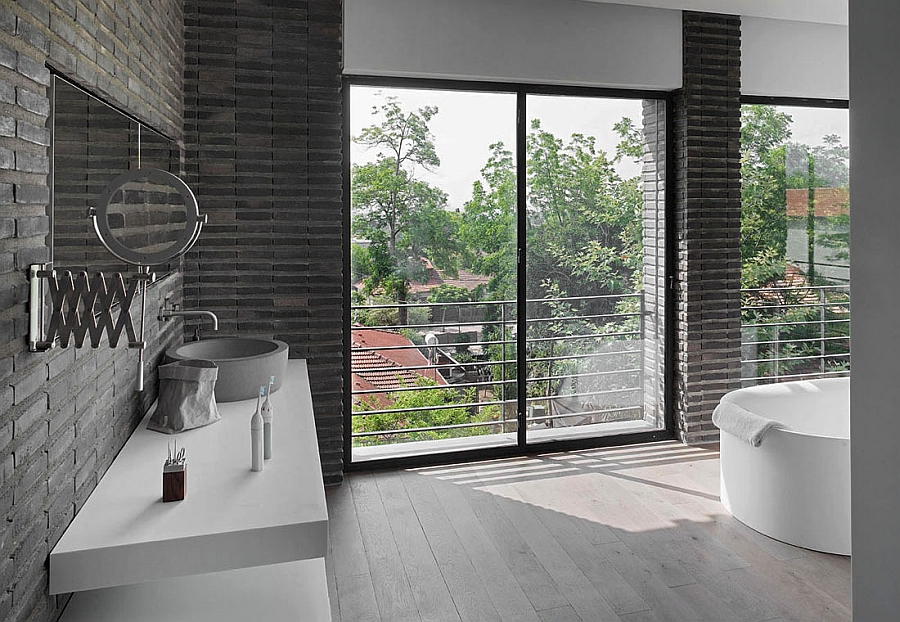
83,306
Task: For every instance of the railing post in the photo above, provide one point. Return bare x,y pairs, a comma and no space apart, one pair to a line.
777,352
503,367
822,330
642,357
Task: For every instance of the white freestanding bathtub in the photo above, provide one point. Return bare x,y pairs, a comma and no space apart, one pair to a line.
794,487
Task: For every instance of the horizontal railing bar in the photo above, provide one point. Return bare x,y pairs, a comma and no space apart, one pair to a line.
488,383
449,426
366,413
436,387
571,337
509,322
582,317
811,374
396,327
562,397
794,288
594,373
509,422
491,302
805,340
840,303
796,358
569,357
585,412
357,370
413,346
813,322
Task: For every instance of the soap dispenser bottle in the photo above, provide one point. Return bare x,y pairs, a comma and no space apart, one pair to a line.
267,413
256,435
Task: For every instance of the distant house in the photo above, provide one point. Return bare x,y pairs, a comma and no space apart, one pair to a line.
376,365
827,204
464,279
420,290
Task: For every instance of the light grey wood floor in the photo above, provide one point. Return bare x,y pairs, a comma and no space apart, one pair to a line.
632,534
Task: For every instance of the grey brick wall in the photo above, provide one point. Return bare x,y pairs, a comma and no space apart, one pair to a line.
263,130
65,414
707,121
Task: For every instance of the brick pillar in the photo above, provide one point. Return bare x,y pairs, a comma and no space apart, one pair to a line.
707,120
654,281
263,133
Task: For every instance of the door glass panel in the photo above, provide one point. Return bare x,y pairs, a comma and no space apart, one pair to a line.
433,270
595,270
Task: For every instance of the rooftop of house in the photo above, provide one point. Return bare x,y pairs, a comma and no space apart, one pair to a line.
827,201
384,369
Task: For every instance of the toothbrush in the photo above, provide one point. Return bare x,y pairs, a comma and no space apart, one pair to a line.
267,413
256,435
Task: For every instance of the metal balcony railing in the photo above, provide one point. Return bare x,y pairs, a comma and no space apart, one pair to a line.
584,360
794,333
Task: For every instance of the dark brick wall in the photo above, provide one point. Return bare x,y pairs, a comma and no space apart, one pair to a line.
65,414
707,155
263,127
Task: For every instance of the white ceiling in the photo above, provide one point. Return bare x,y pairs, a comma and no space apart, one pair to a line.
821,11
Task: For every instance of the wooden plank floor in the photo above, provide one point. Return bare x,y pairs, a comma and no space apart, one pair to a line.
631,534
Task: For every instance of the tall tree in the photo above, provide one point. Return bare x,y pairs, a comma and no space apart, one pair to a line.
488,227
764,135
387,197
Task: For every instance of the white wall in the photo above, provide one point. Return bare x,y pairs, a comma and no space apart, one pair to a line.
794,59
875,322
820,11
533,41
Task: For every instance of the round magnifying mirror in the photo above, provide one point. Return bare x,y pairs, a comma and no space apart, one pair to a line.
147,217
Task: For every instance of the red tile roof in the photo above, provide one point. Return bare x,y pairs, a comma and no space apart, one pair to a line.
827,201
383,369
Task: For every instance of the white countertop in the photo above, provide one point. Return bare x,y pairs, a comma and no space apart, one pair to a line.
230,518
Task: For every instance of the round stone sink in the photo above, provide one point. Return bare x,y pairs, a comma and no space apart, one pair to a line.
245,363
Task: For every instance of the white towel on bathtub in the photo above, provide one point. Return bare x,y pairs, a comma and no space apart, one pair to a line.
740,422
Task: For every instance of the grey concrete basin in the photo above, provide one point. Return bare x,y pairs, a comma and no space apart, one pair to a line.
244,363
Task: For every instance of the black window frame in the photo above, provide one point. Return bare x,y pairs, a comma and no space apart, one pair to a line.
522,446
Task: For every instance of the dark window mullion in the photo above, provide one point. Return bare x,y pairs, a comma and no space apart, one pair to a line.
521,282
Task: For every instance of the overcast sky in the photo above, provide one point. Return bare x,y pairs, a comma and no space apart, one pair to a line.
468,122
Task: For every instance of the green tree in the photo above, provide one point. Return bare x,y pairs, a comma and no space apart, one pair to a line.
764,134
488,227
584,220
404,217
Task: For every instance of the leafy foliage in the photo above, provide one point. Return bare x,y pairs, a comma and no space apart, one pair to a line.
401,417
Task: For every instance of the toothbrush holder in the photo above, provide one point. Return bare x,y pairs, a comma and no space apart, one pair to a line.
174,482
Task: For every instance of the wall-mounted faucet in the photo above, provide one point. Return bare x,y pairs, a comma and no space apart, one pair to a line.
167,313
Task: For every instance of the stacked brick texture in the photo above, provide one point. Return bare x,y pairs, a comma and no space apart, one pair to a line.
263,127
707,222
654,281
65,414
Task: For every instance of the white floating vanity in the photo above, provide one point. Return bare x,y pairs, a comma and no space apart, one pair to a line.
242,545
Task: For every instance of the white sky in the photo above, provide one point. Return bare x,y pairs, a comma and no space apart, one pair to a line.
468,122
811,124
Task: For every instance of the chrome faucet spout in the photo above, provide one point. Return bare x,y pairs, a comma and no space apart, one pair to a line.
166,314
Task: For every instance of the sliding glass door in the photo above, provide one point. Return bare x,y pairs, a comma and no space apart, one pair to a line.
506,269
585,337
